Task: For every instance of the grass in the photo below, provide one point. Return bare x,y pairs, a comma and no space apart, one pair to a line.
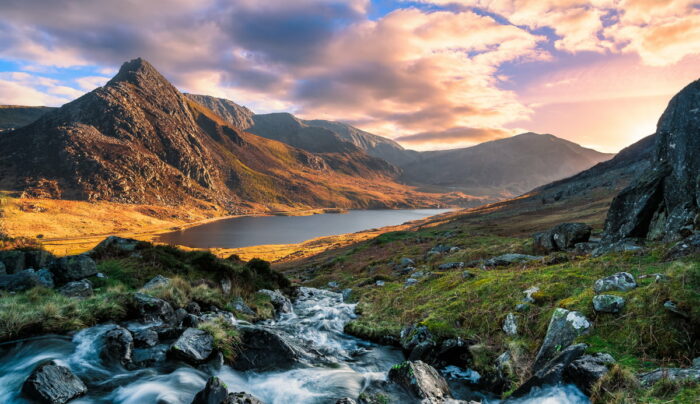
227,339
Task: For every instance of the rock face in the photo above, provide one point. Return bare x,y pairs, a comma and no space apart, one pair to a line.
564,327
608,303
588,369
551,372
263,350
664,202
73,268
622,281
20,281
118,346
114,245
54,384
153,309
562,237
422,380
194,346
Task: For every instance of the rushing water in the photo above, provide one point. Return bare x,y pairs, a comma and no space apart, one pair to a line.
262,230
349,365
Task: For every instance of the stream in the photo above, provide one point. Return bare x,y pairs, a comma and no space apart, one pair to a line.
316,324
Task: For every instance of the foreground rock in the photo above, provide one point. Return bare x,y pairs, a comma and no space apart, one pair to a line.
564,327
622,281
77,289
194,346
152,309
215,392
118,346
281,303
585,371
608,303
264,350
421,379
552,372
73,268
562,237
20,281
158,281
52,383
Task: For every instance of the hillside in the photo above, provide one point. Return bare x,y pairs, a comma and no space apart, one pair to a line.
16,116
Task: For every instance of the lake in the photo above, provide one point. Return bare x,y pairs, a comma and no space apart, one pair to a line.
261,230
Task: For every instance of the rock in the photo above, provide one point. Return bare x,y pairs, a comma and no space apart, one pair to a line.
77,289
13,260
509,259
528,294
191,321
544,242
622,281
346,294
608,303
410,282
45,277
20,281
454,250
564,327
421,379
552,371
118,346
148,357
562,237
3,271
114,245
450,265
467,275
73,268
379,283
146,337
453,351
214,392
168,333
510,325
413,335
585,248
333,285
54,384
688,246
194,346
281,303
239,305
440,249
649,378
621,246
419,274
158,281
101,275
696,363
225,286
193,308
346,400
242,398
672,307
406,262
38,258
522,307
153,309
263,349
585,371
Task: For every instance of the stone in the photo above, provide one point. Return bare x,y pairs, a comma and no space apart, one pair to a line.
242,398
193,308
410,282
152,309
522,307
194,346
20,281
13,260
38,258
333,285
45,277
585,371
413,335
240,306
621,281
54,384
215,392
281,303
585,248
564,327
509,259
528,294
421,379
562,237
552,371
191,321
77,289
346,294
114,245
158,281
73,268
608,303
146,337
450,265
467,275
686,247
264,349
672,307
346,400
379,283
406,262
649,378
148,357
118,346
510,324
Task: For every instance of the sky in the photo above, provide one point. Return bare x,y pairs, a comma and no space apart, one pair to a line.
431,74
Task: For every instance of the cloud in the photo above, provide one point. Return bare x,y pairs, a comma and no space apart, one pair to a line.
20,88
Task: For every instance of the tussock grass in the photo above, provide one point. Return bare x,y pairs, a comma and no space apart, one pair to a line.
227,338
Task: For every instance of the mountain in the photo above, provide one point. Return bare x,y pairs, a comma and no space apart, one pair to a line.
16,116
236,115
506,167
139,140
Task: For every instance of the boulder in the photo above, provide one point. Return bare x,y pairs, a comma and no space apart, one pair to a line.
585,248
649,378
194,346
406,262
242,398
13,260
562,237
148,357
152,309
622,281
672,307
528,294
118,346
240,306
45,277
193,308
38,258
410,282
77,289
114,245
346,400
608,303
225,284
564,327
413,335
450,265
688,246
281,303
263,349
145,337
54,384
73,268
510,324
20,281
551,372
158,281
467,275
585,371
214,392
509,259
421,380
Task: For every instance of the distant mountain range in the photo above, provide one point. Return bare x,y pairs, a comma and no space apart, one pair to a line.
16,116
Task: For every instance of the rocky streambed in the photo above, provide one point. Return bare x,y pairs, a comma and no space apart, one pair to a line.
302,356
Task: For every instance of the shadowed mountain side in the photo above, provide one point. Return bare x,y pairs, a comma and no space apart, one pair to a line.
16,116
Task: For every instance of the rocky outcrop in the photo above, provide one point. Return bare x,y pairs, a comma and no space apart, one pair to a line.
53,384
117,246
562,237
263,350
152,309
686,247
194,346
552,371
585,371
422,380
13,260
564,327
621,281
73,268
664,201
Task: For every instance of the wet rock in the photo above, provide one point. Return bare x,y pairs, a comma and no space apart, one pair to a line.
38,258
510,324
281,303
194,346
45,277
239,305
564,327
14,261
152,309
264,349
649,378
509,259
551,372
20,281
585,371
622,281
77,289
452,352
688,246
193,308
421,379
158,281
242,398
451,265
73,268
147,337
148,357
54,384
413,335
672,307
214,392
118,346
169,333
114,245
562,237
346,400
346,294
608,303
191,321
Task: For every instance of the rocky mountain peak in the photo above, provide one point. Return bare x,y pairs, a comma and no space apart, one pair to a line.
138,72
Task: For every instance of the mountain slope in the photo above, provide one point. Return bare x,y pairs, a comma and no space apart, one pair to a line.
139,140
505,167
16,116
